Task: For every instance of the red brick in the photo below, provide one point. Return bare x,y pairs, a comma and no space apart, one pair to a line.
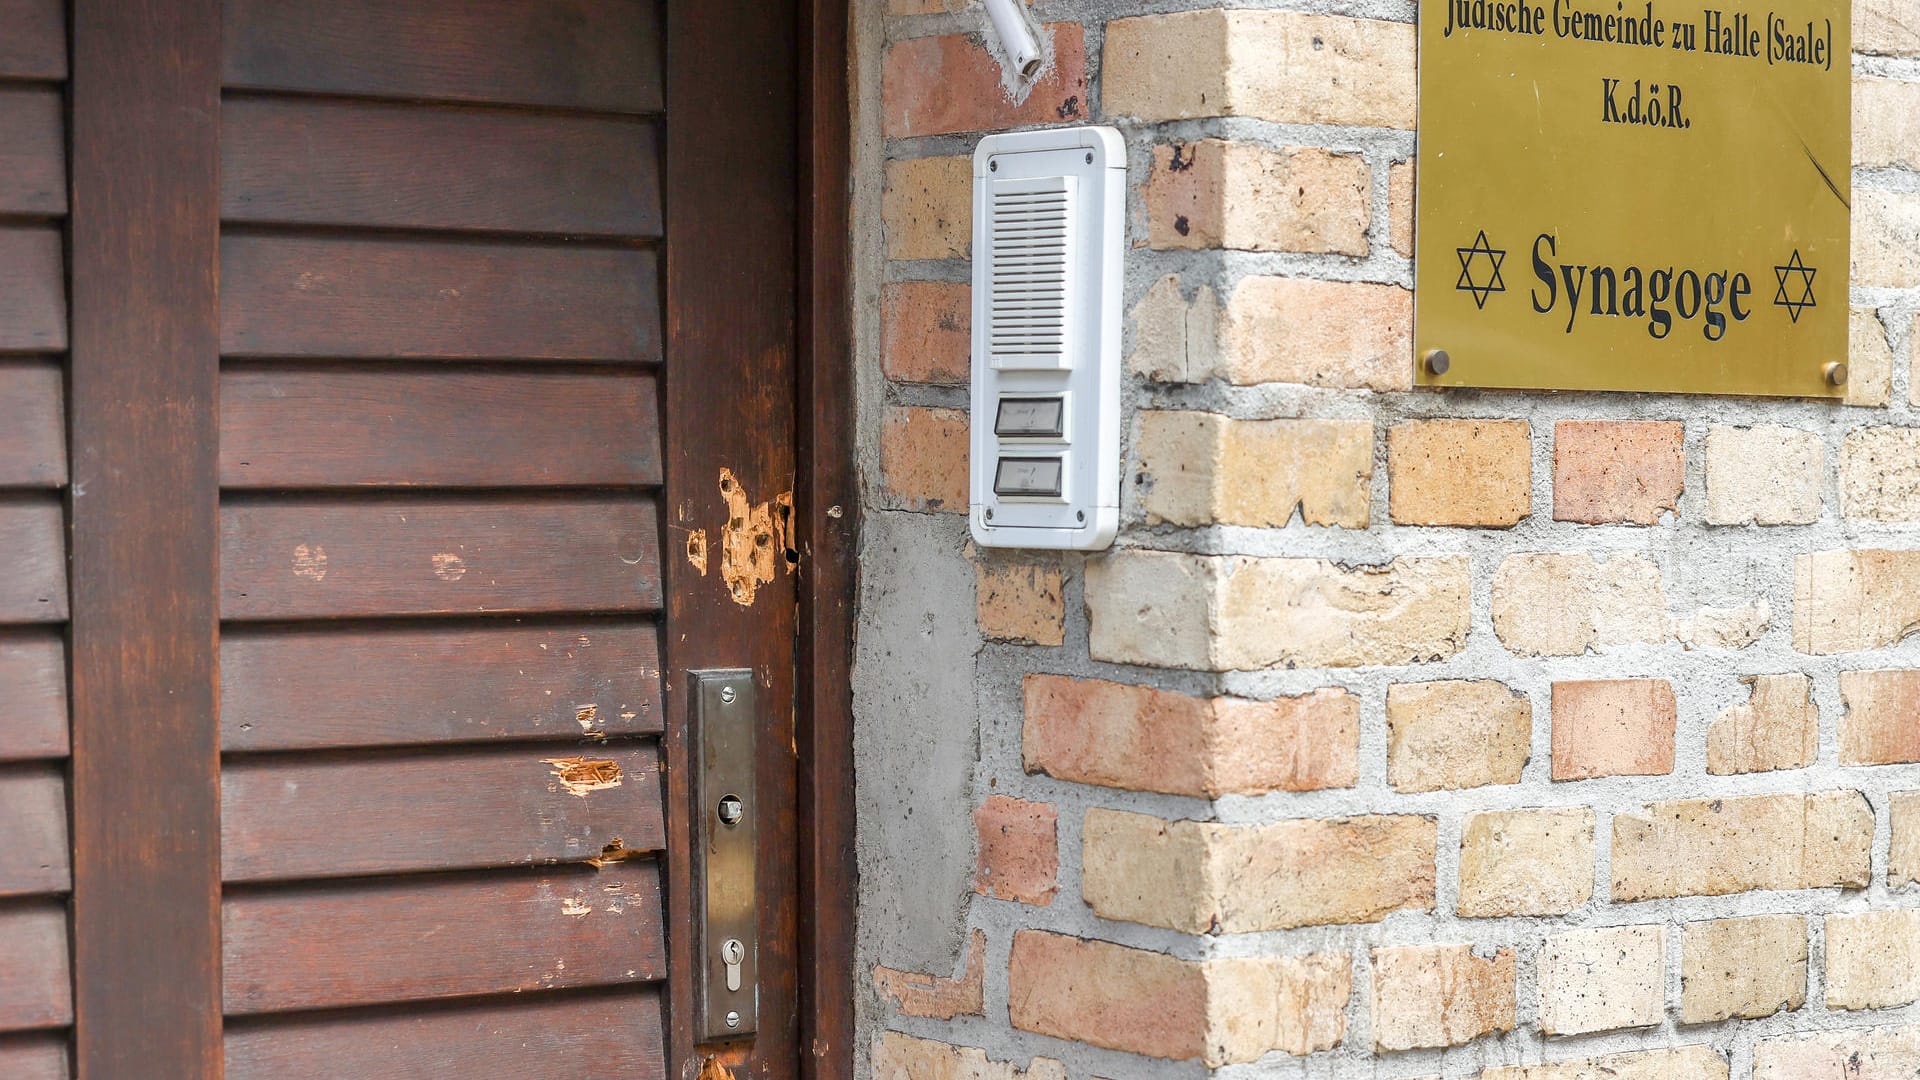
926,331
1108,995
1612,727
1146,739
938,85
1615,471
1019,850
923,459
919,994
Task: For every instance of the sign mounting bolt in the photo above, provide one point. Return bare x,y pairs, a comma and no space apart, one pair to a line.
1836,373
1437,361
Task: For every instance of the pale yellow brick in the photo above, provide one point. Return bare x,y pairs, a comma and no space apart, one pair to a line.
1742,968
1873,959
1726,627
1199,468
1321,333
1294,1004
1845,601
1602,979
1869,358
1282,66
1459,472
1564,604
1884,1053
1229,613
927,208
903,1057
1885,28
1679,1063
1913,360
1886,238
1526,862
1245,197
1020,601
1219,1012
1176,340
1886,121
1880,474
1205,877
1778,727
1317,613
1903,853
1763,475
1400,206
1170,66
1710,847
1145,869
1877,726
1153,607
1456,734
1440,995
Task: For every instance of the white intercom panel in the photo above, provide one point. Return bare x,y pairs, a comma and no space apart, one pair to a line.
1048,211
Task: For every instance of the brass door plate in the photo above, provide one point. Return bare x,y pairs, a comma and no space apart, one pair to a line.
1649,196
723,721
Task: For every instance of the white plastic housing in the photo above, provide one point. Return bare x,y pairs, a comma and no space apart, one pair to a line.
1048,212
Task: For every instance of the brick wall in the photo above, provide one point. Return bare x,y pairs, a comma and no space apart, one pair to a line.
1402,734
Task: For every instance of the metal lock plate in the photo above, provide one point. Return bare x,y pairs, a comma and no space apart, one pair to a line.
723,721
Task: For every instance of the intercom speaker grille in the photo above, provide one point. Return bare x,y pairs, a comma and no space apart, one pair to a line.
1032,260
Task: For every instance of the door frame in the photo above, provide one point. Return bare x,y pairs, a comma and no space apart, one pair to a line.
830,513
736,42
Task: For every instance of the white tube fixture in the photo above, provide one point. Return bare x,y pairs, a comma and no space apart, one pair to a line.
1016,37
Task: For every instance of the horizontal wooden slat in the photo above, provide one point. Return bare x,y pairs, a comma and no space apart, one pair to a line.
33,550
337,428
411,940
33,156
280,687
282,820
319,558
581,54
33,290
33,831
33,696
33,451
442,300
290,161
550,1037
34,1057
33,39
35,990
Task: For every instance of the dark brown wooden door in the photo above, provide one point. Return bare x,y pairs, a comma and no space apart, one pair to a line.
429,414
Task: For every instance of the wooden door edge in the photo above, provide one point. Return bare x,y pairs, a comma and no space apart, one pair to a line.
828,492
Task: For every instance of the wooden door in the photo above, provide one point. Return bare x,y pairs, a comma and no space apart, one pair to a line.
396,401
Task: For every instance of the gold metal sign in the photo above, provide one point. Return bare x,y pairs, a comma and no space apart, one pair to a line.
1634,195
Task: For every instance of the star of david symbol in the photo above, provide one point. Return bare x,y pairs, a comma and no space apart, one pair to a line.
1482,260
1802,276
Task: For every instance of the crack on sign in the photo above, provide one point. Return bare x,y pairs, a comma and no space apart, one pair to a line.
753,541
582,775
